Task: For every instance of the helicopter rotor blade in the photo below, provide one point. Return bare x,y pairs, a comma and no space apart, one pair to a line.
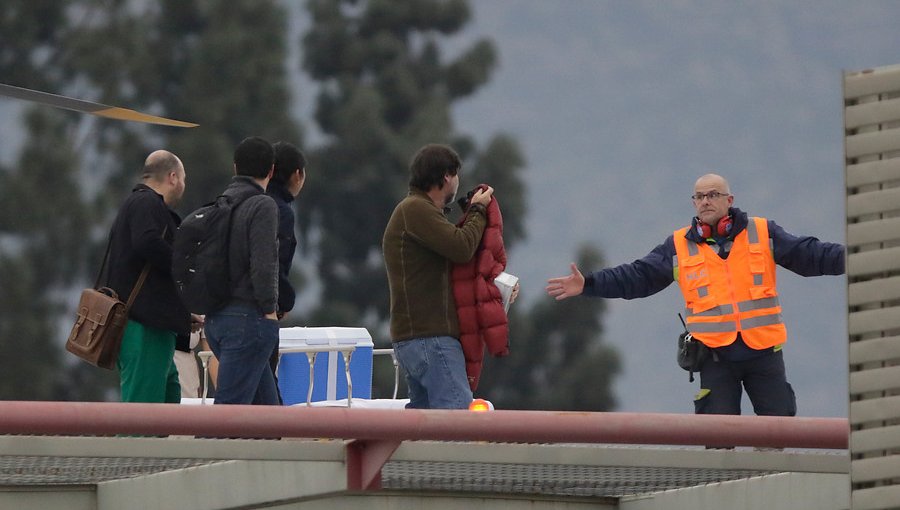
80,105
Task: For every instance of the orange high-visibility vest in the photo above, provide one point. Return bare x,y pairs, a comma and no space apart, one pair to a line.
724,297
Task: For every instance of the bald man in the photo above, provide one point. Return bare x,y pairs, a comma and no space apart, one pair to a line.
141,237
724,264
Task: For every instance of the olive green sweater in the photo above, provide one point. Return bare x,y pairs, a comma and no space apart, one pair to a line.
420,245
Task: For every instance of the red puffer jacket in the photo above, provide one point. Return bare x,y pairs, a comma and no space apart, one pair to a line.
482,320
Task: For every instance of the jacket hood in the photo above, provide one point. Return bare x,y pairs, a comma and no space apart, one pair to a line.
242,187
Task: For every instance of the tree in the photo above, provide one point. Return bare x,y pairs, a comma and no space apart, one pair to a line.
220,64
557,358
43,216
30,32
386,90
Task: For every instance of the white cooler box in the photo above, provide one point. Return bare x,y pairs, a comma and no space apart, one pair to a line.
329,379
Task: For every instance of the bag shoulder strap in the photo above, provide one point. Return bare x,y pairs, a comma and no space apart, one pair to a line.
141,279
103,265
137,287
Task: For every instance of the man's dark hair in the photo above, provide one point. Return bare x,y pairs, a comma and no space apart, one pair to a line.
254,157
288,159
431,164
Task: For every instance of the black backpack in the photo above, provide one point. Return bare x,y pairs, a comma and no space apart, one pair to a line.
200,256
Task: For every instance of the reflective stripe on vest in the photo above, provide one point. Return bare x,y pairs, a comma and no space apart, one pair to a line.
731,295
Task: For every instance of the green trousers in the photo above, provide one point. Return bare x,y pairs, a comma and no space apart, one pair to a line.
146,369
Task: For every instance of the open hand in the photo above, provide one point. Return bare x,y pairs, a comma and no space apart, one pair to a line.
566,286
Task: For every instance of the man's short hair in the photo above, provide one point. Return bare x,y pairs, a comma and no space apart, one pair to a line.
431,164
159,165
288,159
254,157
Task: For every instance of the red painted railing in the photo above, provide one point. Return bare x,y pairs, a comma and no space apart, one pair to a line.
96,418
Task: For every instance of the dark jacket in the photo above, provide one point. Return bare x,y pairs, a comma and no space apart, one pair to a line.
287,243
253,246
420,245
137,239
806,256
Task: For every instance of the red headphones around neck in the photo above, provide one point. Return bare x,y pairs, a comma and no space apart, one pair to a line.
723,227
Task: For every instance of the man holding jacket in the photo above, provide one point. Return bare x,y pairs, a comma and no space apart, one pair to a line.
420,245
724,264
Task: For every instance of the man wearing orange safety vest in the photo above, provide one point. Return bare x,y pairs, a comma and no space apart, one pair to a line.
724,264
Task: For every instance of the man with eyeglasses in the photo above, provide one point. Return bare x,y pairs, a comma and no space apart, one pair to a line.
724,264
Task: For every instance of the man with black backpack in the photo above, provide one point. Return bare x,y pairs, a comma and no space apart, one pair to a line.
243,332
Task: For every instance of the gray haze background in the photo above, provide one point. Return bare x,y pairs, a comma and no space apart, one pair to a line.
619,106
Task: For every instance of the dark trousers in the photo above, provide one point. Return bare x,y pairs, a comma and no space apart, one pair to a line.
763,377
242,340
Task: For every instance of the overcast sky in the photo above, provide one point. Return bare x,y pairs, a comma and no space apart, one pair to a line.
620,106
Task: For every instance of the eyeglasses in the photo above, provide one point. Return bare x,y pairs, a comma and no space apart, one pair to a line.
712,195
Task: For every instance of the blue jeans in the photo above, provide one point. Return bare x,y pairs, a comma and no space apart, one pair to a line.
242,340
435,372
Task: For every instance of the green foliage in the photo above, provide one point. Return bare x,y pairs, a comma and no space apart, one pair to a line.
386,90
43,184
501,153
29,358
43,220
557,359
30,30
222,64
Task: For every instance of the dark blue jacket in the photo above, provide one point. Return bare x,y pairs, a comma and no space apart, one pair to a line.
806,256
287,243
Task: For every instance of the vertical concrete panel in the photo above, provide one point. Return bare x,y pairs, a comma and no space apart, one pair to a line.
872,140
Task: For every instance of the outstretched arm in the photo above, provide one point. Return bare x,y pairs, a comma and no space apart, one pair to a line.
641,278
806,255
